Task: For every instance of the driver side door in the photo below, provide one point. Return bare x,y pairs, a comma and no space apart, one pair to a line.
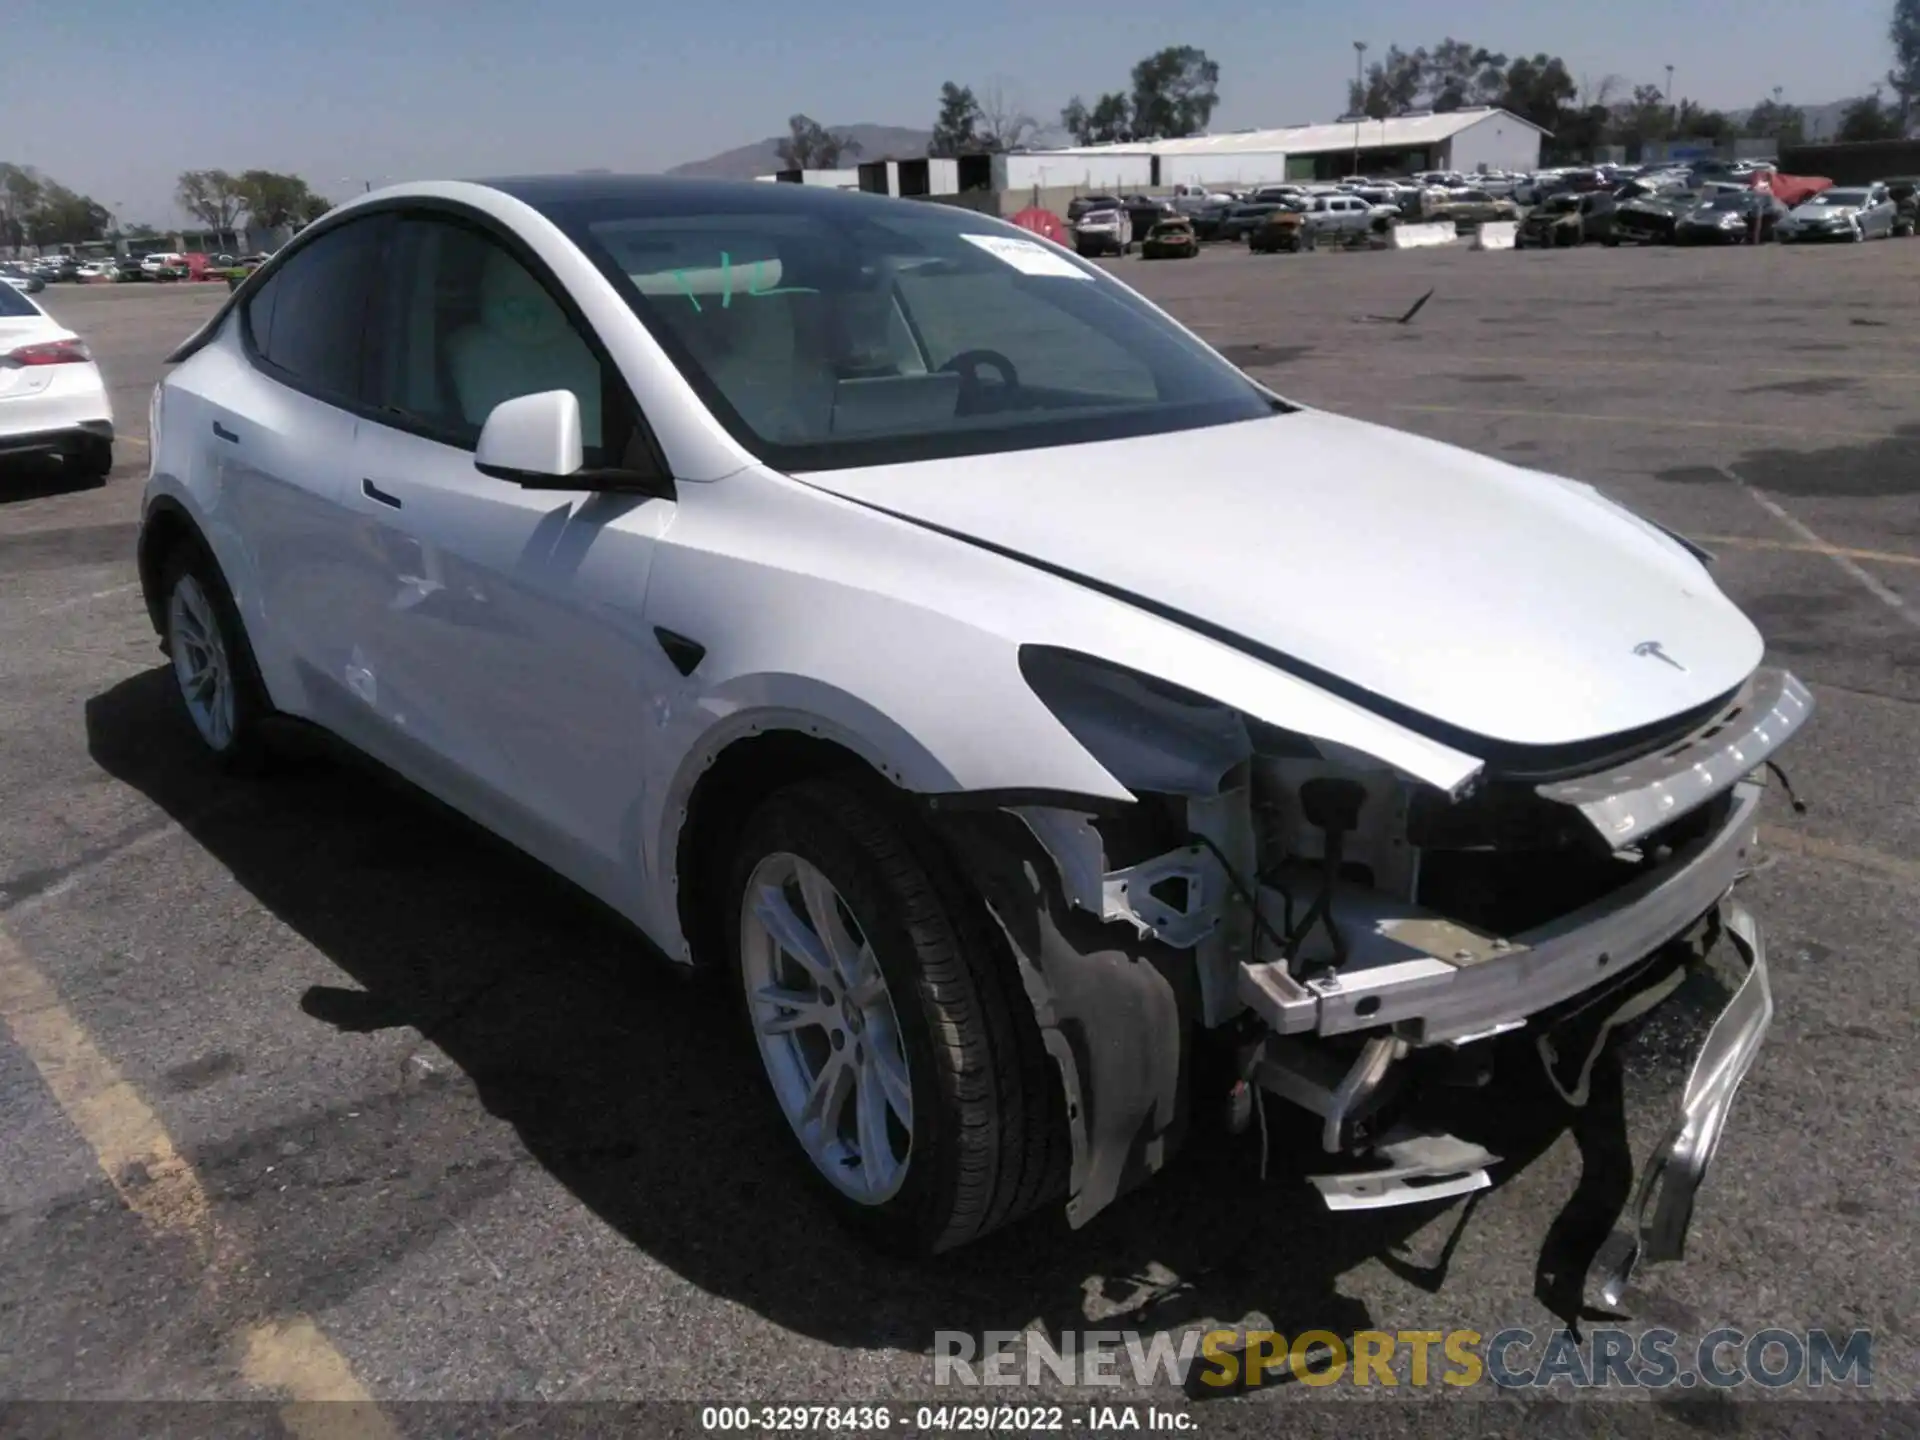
506,662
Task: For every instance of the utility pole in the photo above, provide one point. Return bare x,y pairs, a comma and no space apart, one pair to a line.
1360,97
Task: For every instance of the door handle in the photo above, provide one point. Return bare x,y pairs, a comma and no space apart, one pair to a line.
374,492
221,432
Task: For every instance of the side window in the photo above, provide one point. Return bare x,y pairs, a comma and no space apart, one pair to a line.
307,320
464,325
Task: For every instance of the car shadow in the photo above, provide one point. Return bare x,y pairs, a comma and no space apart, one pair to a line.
39,477
629,1083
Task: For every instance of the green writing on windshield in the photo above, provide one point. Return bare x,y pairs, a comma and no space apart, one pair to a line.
756,283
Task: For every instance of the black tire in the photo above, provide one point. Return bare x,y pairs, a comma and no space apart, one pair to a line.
992,1147
246,749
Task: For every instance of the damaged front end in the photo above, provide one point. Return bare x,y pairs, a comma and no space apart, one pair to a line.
1337,925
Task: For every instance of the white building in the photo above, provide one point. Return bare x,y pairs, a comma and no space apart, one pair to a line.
1483,138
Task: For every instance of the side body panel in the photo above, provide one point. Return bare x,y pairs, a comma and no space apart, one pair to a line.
269,502
501,632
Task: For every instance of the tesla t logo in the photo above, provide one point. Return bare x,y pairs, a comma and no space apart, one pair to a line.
1652,650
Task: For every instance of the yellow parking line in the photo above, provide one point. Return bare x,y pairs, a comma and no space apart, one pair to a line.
1636,422
328,1403
1859,857
125,1135
1754,542
144,1167
139,440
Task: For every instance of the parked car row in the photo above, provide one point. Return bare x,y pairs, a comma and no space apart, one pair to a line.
1725,214
33,275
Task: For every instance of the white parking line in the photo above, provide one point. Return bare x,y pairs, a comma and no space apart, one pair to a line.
1890,598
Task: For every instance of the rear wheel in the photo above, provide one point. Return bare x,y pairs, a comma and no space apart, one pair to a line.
213,670
893,1034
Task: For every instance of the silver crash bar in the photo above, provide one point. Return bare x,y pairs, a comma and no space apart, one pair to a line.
1436,981
1654,1229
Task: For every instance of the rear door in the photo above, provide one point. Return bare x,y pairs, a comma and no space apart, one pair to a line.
276,432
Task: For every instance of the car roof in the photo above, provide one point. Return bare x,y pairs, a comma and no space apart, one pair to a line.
686,195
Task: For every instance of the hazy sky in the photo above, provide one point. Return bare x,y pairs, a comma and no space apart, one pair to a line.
116,97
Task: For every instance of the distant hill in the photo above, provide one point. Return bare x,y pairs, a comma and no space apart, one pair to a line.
877,142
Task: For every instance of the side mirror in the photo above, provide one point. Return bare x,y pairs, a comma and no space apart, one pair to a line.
532,439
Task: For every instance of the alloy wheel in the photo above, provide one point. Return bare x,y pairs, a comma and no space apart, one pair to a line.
826,1026
200,663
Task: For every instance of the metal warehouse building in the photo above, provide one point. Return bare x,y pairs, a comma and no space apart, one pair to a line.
1484,138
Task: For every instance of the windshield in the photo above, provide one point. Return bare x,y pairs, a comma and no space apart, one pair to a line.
1840,197
849,331
1729,202
14,304
1563,204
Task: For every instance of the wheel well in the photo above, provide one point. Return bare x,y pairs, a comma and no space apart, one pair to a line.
724,799
165,527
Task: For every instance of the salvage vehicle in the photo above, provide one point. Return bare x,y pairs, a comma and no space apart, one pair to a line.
1285,229
21,278
1242,220
1081,204
1737,217
1650,219
1208,220
1568,219
791,570
1104,232
1468,208
1854,214
1341,217
1170,239
1904,191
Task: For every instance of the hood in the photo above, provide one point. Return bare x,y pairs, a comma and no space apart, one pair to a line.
1811,211
1508,604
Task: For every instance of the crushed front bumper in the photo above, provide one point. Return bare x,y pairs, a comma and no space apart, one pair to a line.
1654,1227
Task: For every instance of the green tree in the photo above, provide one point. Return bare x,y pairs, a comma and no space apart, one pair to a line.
1777,121
61,217
956,131
1868,119
1175,92
811,146
1004,124
1392,86
1459,75
1644,119
273,200
1110,119
1904,32
1695,122
19,195
212,197
1538,89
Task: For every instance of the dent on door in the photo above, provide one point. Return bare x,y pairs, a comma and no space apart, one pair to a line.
508,644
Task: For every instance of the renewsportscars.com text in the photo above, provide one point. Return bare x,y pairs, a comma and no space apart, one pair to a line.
1653,1359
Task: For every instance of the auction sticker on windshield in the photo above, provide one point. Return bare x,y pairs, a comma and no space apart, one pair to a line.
1026,256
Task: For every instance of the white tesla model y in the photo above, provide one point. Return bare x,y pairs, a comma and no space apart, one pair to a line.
1022,705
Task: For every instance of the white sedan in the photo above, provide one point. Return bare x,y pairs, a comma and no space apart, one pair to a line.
1053,734
52,400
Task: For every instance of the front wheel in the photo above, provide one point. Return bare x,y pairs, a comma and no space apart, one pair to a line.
892,1029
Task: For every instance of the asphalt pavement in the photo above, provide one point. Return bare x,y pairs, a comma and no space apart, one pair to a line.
309,1090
